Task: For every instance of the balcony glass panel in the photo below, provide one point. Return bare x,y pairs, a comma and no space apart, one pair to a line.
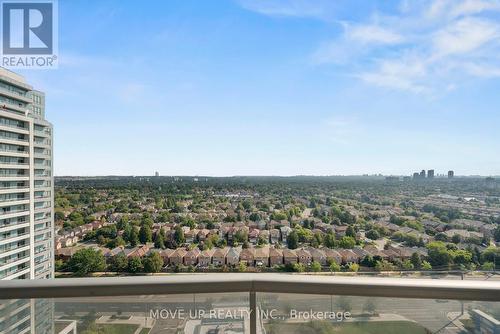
276,314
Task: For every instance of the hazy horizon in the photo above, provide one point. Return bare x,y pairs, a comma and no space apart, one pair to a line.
437,176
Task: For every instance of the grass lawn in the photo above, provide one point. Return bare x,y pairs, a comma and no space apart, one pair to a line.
324,327
145,331
111,329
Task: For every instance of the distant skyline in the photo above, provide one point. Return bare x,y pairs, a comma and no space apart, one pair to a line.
275,87
291,176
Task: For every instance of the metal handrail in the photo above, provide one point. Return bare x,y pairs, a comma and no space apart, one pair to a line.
252,283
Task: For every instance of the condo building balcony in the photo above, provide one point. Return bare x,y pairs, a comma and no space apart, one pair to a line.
7,91
263,303
14,106
42,132
12,124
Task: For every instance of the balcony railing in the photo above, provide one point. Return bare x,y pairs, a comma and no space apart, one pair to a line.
268,303
4,262
7,273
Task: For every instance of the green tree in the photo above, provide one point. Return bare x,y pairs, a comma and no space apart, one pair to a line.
240,236
462,257
350,232
292,240
491,254
299,267
456,239
488,266
255,217
135,264
304,234
119,263
164,217
408,265
441,237
497,234
317,240
347,242
315,266
384,266
153,263
59,264
127,231
145,234
262,241
334,266
160,239
329,240
87,260
116,242
426,266
242,267
134,237
147,221
354,267
373,234
438,254
416,260
368,261
179,235
59,215
278,216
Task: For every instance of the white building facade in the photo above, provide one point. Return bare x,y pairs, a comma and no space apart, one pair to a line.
26,202
26,182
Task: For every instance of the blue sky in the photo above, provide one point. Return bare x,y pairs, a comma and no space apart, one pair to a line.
268,87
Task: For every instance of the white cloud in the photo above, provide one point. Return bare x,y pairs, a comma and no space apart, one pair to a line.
368,34
482,71
402,74
464,36
437,8
422,48
293,8
469,7
356,40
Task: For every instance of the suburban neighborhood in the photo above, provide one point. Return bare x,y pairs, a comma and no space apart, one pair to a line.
235,229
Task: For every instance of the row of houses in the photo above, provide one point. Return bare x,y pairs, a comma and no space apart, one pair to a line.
393,228
279,234
270,256
266,256
71,237
229,233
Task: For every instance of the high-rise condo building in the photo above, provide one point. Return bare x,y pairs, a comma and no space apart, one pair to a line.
26,182
451,174
26,202
430,174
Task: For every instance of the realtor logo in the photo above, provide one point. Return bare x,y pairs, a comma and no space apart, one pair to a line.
29,36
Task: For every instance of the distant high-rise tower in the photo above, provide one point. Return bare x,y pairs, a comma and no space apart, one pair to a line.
157,174
422,174
451,174
430,173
